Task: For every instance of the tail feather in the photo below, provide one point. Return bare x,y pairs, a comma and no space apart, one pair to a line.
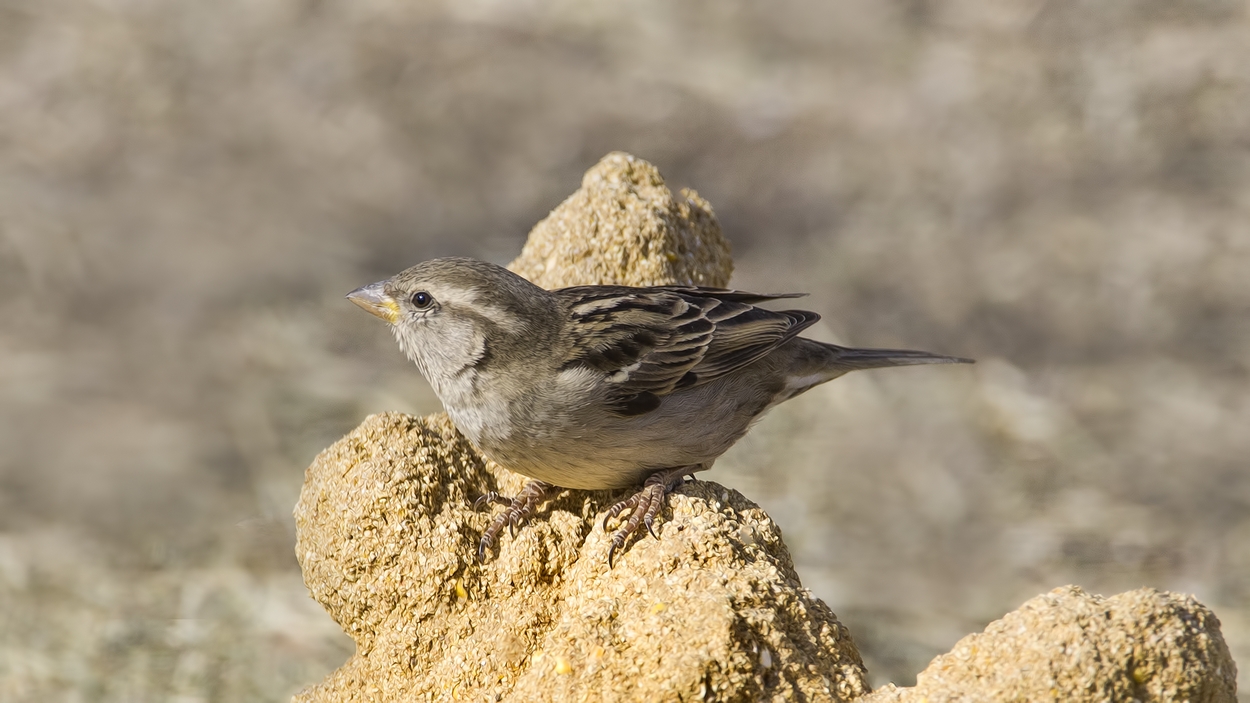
856,359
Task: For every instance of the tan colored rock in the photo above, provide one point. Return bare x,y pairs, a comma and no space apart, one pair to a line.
712,611
1068,645
624,226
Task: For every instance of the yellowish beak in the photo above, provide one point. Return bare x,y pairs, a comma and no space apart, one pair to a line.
375,301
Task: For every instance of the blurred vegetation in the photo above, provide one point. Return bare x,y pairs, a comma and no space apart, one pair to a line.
1058,188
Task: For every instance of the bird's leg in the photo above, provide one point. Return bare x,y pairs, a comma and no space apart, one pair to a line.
644,505
519,510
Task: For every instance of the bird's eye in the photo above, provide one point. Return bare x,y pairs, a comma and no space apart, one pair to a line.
422,300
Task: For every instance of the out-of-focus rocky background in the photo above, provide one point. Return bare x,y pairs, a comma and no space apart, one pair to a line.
1058,188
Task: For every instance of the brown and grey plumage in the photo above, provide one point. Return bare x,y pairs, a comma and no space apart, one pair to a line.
597,387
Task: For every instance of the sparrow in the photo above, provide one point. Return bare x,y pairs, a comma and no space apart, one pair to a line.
603,387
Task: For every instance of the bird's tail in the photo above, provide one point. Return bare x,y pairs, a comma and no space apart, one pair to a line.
855,359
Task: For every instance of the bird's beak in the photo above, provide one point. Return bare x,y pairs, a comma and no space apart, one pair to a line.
374,300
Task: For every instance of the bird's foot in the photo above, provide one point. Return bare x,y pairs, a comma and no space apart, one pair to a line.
643,506
519,510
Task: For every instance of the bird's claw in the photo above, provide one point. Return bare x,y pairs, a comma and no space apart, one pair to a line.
642,507
519,510
488,497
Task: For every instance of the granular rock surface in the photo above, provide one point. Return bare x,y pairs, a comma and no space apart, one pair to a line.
624,226
711,611
1068,645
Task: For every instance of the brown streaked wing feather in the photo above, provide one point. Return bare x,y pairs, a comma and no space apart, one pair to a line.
748,336
652,341
644,340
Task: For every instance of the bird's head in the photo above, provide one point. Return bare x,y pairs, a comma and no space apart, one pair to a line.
447,313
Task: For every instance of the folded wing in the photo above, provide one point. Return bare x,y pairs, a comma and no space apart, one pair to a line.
649,342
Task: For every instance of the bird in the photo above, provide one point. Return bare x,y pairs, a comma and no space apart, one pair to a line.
603,386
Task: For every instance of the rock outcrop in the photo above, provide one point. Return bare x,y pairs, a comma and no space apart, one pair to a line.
624,226
1068,645
711,611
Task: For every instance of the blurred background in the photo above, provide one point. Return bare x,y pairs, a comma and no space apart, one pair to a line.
1059,188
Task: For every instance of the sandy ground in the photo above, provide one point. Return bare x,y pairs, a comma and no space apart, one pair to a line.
1059,189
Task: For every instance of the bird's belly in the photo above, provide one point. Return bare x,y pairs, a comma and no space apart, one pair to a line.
588,458
580,471
600,450
562,453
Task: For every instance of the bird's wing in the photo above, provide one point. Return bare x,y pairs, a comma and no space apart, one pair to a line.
649,342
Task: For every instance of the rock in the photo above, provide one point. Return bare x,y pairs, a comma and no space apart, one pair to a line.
623,226
711,611
1067,645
